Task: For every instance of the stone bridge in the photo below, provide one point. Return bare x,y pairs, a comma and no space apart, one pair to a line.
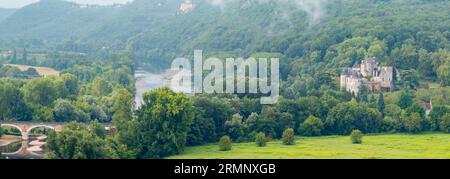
26,127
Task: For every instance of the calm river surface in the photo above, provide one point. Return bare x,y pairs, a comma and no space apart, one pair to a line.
146,81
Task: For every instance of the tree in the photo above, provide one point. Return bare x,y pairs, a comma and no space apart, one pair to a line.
64,111
445,123
410,79
122,106
436,116
122,115
225,143
234,127
98,129
163,123
405,57
356,136
202,130
43,113
101,87
363,94
76,141
12,105
413,124
289,137
40,91
71,84
345,117
311,127
406,99
261,140
217,109
444,74
372,101
380,103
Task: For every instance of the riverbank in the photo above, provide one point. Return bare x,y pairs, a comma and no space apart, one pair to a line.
9,139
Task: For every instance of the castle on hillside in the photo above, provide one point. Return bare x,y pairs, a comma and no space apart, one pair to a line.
187,6
374,77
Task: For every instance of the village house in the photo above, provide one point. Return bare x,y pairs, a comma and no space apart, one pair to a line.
375,78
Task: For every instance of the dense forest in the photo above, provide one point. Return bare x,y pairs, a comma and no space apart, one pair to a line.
97,49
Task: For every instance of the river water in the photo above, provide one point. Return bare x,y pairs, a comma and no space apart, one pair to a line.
146,81
23,149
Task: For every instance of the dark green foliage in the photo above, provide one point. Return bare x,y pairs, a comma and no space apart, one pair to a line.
345,117
380,104
225,143
436,116
217,109
165,114
288,137
2,132
445,123
261,140
311,127
413,124
406,99
356,137
77,141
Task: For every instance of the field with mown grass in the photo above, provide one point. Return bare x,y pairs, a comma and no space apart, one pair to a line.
386,146
43,71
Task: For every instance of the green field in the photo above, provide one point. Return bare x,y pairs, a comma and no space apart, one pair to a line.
394,146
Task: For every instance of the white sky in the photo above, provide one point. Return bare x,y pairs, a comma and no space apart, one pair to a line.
21,3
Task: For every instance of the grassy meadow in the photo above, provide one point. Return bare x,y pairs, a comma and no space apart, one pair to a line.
386,146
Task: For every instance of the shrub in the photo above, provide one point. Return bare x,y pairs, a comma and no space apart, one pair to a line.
288,137
311,127
445,123
225,143
356,137
261,140
1,132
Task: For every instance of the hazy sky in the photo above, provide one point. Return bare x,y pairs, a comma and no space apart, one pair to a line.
21,3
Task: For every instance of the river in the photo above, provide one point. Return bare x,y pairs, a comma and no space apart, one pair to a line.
13,147
146,81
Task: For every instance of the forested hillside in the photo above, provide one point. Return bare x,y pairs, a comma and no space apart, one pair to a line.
97,49
332,34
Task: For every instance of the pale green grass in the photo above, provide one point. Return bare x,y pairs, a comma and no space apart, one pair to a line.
395,146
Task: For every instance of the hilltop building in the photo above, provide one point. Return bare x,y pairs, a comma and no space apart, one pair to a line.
374,77
187,6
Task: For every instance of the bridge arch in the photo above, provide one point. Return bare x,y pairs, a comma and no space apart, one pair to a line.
22,132
40,126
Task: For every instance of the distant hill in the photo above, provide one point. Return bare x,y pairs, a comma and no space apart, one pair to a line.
157,31
5,13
